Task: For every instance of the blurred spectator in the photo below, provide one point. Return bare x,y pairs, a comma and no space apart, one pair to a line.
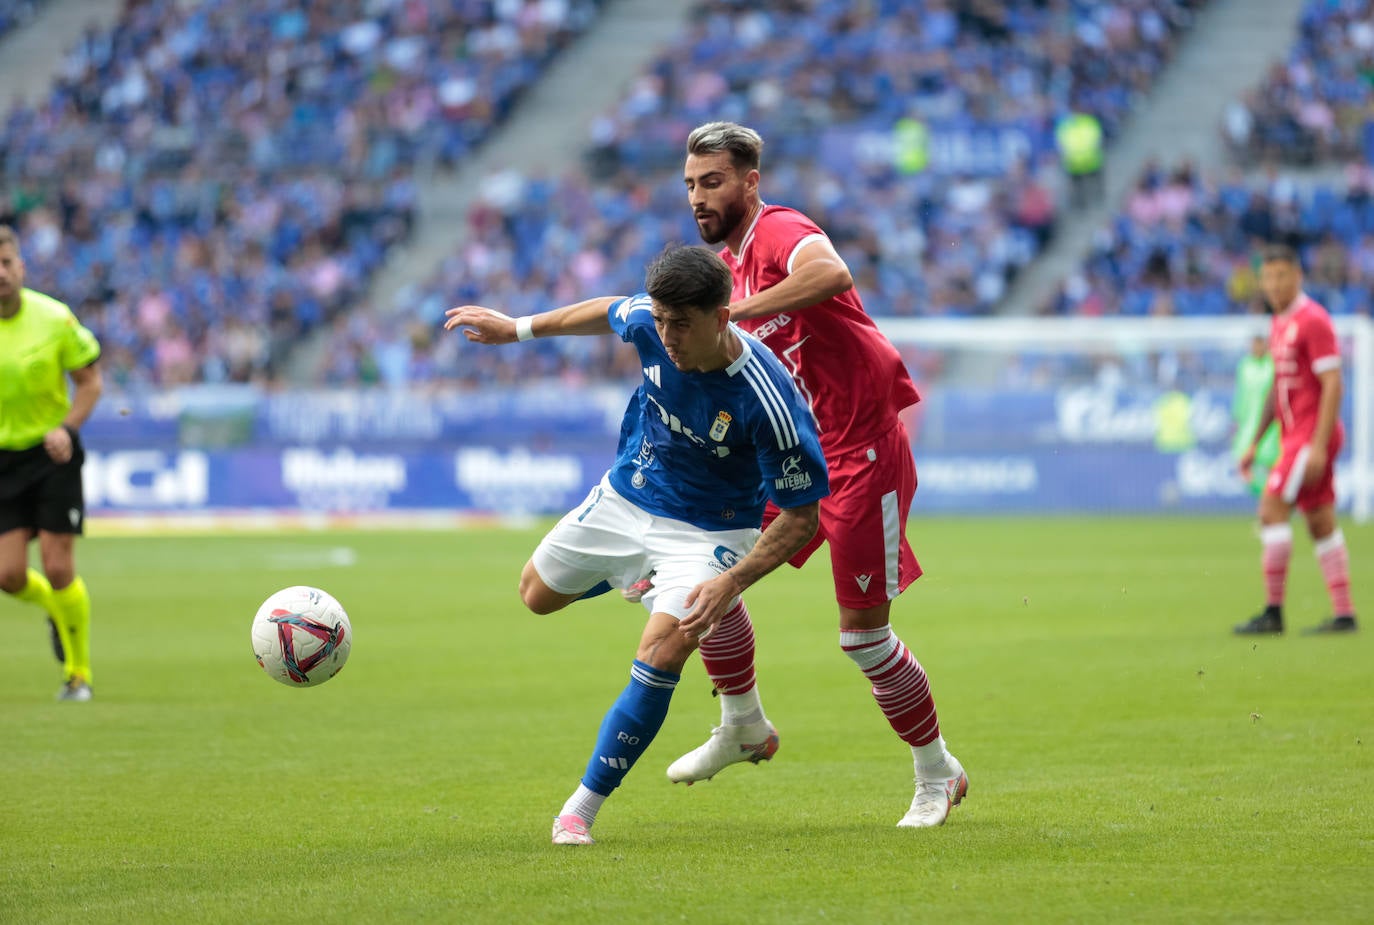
15,14
1078,136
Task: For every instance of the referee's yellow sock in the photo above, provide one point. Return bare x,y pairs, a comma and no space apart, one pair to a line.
71,607
38,591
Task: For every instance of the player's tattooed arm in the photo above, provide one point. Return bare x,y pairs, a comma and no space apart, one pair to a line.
791,530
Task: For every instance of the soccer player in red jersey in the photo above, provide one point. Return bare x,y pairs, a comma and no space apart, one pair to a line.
1306,400
794,293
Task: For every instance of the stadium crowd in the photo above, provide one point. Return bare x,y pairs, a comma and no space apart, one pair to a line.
1318,103
16,13
1185,244
942,228
208,182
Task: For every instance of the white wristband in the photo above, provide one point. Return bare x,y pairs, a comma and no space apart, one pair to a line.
524,328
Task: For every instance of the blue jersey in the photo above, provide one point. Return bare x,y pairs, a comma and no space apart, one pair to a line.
711,448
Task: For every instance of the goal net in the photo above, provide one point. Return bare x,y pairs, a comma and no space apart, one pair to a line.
1103,415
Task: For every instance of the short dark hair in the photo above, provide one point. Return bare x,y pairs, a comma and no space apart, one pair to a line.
1280,253
685,277
9,236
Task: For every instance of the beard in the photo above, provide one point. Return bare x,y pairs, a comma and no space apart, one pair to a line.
730,219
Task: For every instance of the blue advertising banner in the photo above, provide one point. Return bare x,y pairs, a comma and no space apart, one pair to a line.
475,479
1083,449
953,148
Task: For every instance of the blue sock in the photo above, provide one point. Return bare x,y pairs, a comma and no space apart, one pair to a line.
596,590
630,725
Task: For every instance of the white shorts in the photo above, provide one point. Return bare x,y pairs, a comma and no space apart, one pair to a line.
609,539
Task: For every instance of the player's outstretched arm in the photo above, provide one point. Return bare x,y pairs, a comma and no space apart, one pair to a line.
791,530
488,326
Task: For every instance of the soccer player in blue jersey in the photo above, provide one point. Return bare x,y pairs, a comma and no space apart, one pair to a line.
716,429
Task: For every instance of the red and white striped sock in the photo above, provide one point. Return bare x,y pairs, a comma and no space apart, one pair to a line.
1335,565
727,653
899,683
1277,543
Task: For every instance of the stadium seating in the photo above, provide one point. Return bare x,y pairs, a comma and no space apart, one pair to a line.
1185,244
1315,105
16,13
947,239
208,182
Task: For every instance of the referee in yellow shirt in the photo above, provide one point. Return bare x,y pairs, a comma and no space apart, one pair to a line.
41,344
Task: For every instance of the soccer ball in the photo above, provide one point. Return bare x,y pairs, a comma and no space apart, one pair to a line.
301,636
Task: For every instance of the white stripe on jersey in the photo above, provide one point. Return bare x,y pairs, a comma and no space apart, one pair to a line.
633,304
784,428
792,257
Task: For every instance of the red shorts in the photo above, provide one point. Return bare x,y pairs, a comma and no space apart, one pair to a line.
1286,478
864,521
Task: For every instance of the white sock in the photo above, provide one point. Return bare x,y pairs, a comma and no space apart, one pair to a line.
930,757
741,709
583,804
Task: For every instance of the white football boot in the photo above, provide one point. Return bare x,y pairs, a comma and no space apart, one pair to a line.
571,830
754,742
935,797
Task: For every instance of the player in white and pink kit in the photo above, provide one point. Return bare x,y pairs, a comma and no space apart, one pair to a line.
1306,399
793,292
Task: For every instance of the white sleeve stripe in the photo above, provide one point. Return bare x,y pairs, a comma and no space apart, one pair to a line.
751,374
784,428
792,257
1322,364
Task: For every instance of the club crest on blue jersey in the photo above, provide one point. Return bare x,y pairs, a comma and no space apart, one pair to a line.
720,426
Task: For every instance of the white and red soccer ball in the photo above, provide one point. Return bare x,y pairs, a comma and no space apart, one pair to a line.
301,636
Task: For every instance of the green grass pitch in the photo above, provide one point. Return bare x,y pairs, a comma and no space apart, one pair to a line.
1129,759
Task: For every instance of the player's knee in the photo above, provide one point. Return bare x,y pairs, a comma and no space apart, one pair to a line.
537,596
13,578
59,576
667,650
535,603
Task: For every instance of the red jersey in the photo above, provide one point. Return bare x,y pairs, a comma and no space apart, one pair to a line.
846,369
1302,341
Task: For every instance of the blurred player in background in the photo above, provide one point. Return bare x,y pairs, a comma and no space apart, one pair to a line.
1306,401
1254,381
715,428
794,292
41,345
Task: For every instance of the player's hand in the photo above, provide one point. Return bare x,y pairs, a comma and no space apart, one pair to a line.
709,601
481,325
1315,468
1247,464
58,443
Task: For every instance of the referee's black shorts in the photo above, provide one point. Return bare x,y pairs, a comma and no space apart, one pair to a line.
39,494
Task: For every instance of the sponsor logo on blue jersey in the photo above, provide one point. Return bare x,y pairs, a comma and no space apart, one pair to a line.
794,477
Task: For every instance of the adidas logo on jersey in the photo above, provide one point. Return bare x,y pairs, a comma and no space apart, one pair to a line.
651,373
